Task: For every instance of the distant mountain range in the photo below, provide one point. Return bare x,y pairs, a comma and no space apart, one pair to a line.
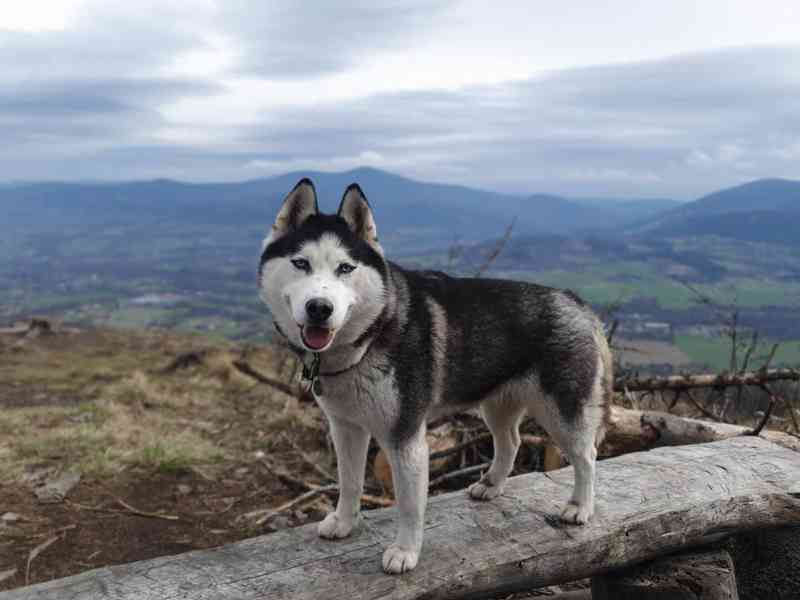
411,212
765,210
431,214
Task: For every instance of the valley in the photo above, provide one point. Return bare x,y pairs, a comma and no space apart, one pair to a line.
169,255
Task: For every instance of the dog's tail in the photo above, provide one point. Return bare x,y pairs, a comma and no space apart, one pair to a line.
606,372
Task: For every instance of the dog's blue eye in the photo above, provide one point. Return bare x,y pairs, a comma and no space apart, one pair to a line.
302,264
344,269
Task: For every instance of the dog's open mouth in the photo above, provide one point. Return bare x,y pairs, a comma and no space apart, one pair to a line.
316,338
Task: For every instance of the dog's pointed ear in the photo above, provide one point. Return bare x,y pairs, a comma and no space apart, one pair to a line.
298,205
356,212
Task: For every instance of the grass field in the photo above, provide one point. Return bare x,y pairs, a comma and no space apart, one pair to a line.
606,285
715,352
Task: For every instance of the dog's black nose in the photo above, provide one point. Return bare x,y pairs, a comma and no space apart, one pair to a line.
319,309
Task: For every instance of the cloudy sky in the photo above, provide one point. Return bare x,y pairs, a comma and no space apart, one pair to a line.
585,97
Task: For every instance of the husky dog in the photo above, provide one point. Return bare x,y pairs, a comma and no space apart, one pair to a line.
387,349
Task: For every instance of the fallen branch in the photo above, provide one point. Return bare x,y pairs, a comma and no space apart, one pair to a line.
308,460
7,574
144,513
312,491
525,439
713,380
132,509
767,413
286,477
458,473
792,404
265,515
36,552
245,368
693,401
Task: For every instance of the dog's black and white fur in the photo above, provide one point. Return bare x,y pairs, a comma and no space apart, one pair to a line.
397,348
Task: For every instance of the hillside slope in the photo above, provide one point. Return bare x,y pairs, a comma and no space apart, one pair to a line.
765,210
408,210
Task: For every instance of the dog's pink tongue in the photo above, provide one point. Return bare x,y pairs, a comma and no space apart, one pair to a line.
316,337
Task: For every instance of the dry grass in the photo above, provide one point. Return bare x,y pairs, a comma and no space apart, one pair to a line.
102,401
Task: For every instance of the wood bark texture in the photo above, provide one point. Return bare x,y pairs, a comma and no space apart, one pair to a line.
648,504
634,430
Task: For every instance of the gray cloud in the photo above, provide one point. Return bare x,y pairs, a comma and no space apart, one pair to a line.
681,126
88,103
97,96
286,39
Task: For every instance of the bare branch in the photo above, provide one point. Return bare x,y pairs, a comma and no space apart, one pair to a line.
454,253
245,368
36,552
611,331
750,349
495,252
792,406
459,473
767,413
708,380
770,356
265,515
526,439
706,413
310,462
733,332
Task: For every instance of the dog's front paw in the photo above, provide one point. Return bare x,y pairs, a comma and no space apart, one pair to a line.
577,514
398,559
484,490
333,528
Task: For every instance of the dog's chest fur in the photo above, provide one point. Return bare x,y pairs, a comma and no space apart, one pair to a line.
365,395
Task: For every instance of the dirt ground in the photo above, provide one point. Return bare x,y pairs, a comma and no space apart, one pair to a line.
189,442
93,529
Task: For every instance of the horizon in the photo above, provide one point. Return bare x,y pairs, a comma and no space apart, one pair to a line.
314,173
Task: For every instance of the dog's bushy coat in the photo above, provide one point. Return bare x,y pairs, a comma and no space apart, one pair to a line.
403,347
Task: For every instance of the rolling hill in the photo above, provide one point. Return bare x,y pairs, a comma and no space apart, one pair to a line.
409,211
765,210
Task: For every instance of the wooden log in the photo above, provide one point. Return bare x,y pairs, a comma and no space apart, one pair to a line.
705,575
553,459
635,430
649,504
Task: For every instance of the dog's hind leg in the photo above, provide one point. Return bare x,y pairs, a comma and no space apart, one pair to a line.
581,439
582,456
576,436
502,416
350,442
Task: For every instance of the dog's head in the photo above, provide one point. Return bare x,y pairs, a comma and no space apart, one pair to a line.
323,276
